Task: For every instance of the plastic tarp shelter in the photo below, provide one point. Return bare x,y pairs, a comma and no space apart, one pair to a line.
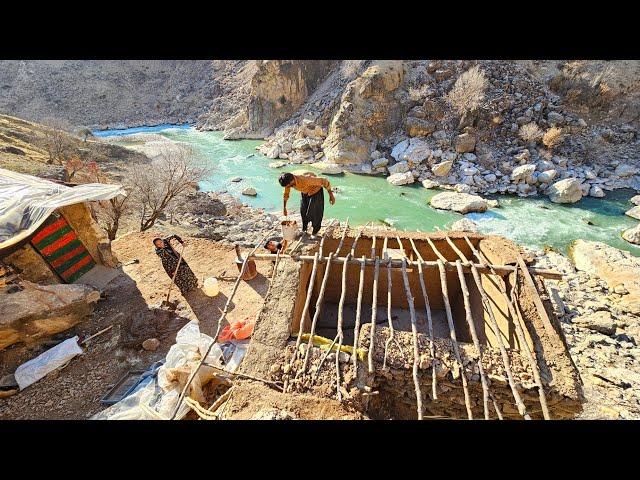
27,201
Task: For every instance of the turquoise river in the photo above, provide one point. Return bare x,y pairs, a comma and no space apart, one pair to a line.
534,222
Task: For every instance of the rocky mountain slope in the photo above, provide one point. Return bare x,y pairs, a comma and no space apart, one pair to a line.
121,93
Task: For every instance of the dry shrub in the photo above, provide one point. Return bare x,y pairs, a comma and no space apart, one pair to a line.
468,92
553,137
530,132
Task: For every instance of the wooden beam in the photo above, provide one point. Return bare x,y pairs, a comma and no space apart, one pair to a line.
344,234
356,328
474,336
452,334
464,259
436,251
416,350
374,311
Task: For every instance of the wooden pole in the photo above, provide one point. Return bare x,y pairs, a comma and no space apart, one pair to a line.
373,248
499,269
519,330
355,242
474,336
458,251
432,349
374,311
392,332
452,334
356,328
344,234
340,334
414,331
437,252
316,315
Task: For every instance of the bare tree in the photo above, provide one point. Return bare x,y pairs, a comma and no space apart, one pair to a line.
108,212
468,92
85,132
56,139
172,172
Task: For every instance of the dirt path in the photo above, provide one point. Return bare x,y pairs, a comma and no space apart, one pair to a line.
131,305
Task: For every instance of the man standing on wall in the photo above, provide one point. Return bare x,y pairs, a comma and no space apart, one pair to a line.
311,198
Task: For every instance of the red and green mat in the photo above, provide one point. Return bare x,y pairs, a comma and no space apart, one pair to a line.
59,245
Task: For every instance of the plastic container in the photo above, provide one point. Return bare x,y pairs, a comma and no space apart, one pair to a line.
211,287
289,229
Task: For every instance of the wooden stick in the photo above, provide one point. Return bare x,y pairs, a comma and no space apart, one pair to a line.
340,335
222,316
355,242
374,311
500,269
344,234
458,251
430,322
243,375
392,332
373,248
414,331
356,328
496,406
415,249
474,336
436,251
305,310
96,334
519,331
452,334
316,315
223,398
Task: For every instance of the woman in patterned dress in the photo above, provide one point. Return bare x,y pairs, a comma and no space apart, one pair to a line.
185,278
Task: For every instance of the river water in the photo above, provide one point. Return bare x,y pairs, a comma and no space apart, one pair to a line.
534,222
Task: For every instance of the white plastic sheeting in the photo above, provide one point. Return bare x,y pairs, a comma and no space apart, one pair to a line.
27,201
158,399
46,362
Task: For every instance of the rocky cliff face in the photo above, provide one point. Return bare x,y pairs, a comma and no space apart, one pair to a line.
278,89
368,112
118,93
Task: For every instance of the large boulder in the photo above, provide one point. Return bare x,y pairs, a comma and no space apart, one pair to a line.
327,168
635,200
600,321
368,112
465,225
399,149
43,310
596,191
401,178
400,167
565,191
250,191
633,212
625,170
465,143
632,235
458,202
442,169
416,152
380,162
522,172
547,176
616,267
417,127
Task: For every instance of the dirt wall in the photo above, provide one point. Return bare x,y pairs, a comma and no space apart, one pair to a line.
33,267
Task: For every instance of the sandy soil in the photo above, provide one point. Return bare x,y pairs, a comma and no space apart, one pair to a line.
131,304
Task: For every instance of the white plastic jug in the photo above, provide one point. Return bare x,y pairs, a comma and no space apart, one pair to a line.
210,287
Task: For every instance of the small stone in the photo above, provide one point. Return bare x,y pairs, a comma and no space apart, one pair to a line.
151,344
620,289
235,179
250,191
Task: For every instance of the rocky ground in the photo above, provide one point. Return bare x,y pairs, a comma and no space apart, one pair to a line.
601,329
